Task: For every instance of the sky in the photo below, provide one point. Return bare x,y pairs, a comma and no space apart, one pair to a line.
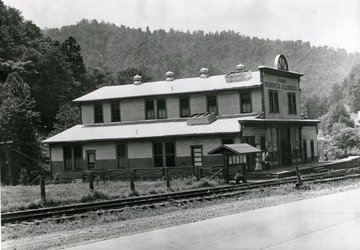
334,23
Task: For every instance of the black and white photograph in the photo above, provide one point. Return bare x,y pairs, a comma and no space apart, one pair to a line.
169,124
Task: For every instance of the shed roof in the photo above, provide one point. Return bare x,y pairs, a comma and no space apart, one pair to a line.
144,129
241,148
177,86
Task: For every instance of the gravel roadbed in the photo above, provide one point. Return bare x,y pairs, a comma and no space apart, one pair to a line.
172,215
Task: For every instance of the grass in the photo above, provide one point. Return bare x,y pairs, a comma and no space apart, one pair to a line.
15,198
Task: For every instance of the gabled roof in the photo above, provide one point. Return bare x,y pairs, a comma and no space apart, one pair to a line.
145,129
240,148
177,86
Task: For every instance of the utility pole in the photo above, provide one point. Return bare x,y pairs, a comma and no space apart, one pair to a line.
8,159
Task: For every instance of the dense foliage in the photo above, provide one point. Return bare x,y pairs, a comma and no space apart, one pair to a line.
18,120
37,76
41,74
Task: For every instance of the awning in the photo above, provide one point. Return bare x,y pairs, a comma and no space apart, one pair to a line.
241,148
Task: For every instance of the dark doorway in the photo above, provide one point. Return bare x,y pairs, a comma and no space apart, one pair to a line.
305,150
250,158
285,145
312,151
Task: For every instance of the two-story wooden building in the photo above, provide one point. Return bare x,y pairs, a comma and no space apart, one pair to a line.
176,122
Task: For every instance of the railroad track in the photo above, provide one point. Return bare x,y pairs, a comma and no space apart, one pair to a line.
70,210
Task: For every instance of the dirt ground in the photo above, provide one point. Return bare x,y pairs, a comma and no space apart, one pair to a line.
172,215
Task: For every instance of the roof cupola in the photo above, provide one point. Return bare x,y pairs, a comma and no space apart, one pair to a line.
137,80
169,76
204,73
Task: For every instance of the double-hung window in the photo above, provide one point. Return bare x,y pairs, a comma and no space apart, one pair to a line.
245,102
67,157
155,109
274,101
184,106
161,109
72,157
164,154
122,155
149,109
292,103
212,104
115,112
98,113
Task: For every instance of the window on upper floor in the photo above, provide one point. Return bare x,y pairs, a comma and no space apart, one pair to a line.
115,112
155,109
149,109
184,107
161,109
245,102
98,113
212,104
292,103
274,101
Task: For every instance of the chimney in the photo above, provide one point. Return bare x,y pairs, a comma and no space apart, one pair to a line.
204,73
137,80
169,76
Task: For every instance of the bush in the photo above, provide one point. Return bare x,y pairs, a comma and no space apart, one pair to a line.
93,196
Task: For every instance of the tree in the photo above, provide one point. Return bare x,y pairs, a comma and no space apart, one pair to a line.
73,55
18,123
352,86
336,114
345,138
67,117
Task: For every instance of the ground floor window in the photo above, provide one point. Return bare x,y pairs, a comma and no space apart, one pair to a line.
122,155
164,154
67,158
77,157
72,157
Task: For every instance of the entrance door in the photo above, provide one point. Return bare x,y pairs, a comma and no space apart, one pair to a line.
285,146
90,156
196,153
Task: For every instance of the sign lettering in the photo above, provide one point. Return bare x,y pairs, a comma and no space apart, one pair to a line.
280,86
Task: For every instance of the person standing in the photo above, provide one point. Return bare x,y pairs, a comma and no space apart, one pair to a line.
267,162
258,164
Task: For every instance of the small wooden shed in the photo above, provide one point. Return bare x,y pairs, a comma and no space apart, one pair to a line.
234,154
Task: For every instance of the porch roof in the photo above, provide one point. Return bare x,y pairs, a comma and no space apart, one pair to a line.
145,129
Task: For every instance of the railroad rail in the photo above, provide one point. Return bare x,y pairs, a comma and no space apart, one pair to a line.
70,210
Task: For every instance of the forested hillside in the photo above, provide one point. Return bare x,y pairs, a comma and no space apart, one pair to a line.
155,52
42,72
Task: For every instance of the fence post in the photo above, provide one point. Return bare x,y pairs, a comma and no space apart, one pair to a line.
91,181
42,188
132,180
197,172
167,177
109,175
